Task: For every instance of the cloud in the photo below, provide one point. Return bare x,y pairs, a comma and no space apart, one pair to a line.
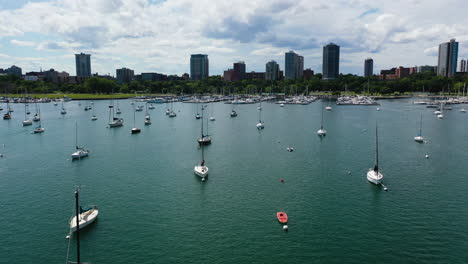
432,51
22,43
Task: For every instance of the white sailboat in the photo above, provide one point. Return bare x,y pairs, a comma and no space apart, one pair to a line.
118,112
135,130
37,115
328,107
94,117
373,175
321,132
114,121
82,217
7,115
147,116
260,124
26,122
172,113
441,114
212,118
80,152
151,106
63,111
201,170
205,139
39,128
419,138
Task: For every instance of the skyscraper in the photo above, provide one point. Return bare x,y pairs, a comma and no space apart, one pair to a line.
83,65
448,56
199,68
368,67
272,71
463,66
331,61
293,65
124,75
239,71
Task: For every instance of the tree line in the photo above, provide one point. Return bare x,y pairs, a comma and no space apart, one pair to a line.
427,82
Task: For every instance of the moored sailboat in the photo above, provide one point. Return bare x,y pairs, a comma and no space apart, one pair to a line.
321,132
419,138
373,175
80,151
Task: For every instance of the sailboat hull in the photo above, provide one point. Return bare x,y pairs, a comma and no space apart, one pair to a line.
201,171
374,177
86,219
419,139
204,141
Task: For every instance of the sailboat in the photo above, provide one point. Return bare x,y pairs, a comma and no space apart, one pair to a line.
373,175
321,132
135,130
114,121
198,116
118,112
441,114
83,217
63,112
233,112
39,128
205,139
201,170
147,116
37,115
328,107
260,124
419,138
26,122
93,117
151,106
172,113
80,152
7,115
212,118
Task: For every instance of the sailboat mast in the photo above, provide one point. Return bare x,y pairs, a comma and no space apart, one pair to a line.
420,126
134,115
376,167
202,122
321,122
76,134
77,209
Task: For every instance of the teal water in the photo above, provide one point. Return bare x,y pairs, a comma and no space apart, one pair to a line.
154,210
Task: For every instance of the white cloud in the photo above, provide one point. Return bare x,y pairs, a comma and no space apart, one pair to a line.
22,43
162,36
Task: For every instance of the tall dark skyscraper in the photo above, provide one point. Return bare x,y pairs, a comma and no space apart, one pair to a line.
463,66
331,61
293,65
368,67
448,56
199,68
239,71
124,75
83,65
272,71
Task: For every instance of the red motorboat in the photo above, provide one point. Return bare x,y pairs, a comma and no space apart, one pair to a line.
282,217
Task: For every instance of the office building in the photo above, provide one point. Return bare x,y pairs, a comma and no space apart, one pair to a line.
308,74
331,61
239,71
293,65
14,70
448,56
199,67
272,71
368,67
83,65
124,75
463,66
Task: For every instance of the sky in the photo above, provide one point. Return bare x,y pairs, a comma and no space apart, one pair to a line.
160,35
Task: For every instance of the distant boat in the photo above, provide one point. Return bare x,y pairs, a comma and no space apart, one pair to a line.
37,115
321,132
26,122
114,121
63,111
212,118
201,170
172,113
147,116
260,124
7,115
94,117
205,139
80,152
118,112
151,106
419,138
463,110
373,175
441,114
135,130
328,107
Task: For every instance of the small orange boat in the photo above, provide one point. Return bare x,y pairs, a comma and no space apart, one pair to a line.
282,217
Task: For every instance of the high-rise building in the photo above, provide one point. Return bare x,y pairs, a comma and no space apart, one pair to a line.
124,75
14,70
83,65
427,68
368,67
199,68
293,65
448,56
331,61
308,74
272,71
239,71
463,66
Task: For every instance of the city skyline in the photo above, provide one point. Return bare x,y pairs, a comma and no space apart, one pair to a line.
158,36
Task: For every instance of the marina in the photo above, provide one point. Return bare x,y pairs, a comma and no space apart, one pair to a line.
153,203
